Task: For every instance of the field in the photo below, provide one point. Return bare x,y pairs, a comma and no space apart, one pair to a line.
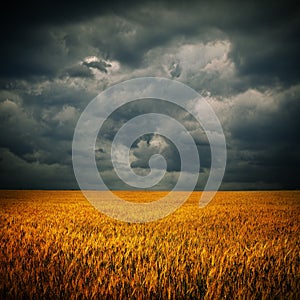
243,245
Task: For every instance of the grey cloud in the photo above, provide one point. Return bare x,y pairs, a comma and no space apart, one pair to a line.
259,48
147,145
145,148
175,70
17,128
264,142
43,77
100,65
35,141
80,70
18,173
257,124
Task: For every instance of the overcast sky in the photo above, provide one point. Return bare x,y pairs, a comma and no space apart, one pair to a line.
243,57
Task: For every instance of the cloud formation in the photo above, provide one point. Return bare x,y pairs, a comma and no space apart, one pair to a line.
241,56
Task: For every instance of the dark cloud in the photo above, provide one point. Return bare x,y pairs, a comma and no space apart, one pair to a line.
271,56
263,37
80,70
242,55
264,141
152,144
18,173
277,123
100,65
50,38
175,70
17,128
149,144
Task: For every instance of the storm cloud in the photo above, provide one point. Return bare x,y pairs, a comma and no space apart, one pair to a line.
242,57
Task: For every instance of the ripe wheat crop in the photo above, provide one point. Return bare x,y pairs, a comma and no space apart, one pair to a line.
243,245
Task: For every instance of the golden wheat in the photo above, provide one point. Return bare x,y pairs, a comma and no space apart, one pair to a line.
243,245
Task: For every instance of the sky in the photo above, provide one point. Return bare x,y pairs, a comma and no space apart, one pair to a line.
242,57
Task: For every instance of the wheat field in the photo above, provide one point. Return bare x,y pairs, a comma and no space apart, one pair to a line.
243,245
